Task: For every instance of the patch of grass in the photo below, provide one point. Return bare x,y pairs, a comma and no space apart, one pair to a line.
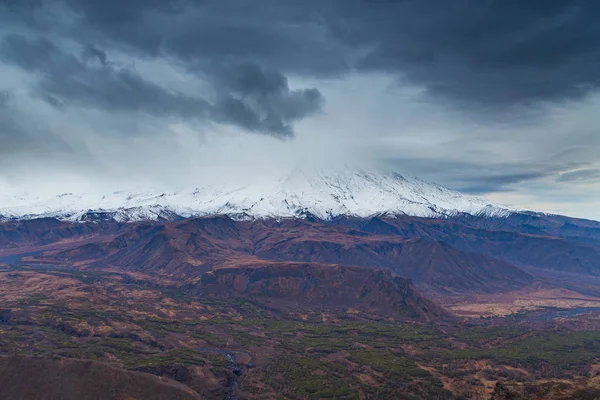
245,339
208,337
389,363
303,377
161,327
479,335
564,351
32,300
180,357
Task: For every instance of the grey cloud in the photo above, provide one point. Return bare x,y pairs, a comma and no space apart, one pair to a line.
255,100
500,182
477,178
54,102
5,96
490,53
66,78
289,35
19,137
582,175
91,52
261,99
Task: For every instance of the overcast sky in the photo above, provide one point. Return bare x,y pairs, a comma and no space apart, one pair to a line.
498,98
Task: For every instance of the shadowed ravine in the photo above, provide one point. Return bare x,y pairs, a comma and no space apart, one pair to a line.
236,370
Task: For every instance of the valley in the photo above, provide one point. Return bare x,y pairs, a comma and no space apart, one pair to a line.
134,322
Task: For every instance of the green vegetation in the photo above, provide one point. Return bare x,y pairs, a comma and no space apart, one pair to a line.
208,337
245,339
161,326
299,377
481,335
389,363
565,351
299,358
180,357
32,300
303,377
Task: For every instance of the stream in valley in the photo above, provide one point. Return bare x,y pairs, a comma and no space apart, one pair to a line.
235,368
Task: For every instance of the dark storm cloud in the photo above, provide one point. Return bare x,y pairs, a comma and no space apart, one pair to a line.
65,77
289,35
260,99
489,52
256,100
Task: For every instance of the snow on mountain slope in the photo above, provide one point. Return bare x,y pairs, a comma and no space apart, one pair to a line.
322,193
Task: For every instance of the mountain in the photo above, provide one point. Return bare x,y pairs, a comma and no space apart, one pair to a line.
321,193
442,240
523,239
186,249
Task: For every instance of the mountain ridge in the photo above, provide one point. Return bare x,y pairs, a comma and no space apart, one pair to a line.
324,194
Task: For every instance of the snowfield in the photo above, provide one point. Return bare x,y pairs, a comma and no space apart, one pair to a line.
322,193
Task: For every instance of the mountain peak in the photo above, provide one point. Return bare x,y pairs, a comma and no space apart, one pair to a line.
322,192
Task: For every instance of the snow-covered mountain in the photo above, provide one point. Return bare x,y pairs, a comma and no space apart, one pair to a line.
324,193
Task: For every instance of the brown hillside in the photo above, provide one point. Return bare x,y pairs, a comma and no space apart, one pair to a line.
303,285
29,378
189,248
